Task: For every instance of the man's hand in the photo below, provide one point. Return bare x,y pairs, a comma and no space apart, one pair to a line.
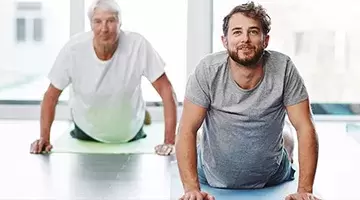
197,195
40,145
164,149
301,196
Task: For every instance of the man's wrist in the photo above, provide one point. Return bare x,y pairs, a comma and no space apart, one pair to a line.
305,189
189,188
169,141
45,136
169,138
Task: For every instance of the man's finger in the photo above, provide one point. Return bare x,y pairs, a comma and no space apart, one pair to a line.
169,150
187,196
40,146
288,197
48,148
37,146
157,148
158,151
33,147
199,196
163,152
163,148
209,197
166,150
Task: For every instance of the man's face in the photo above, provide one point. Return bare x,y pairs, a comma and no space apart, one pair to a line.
105,26
245,41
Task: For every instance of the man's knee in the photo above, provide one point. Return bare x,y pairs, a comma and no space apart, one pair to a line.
289,142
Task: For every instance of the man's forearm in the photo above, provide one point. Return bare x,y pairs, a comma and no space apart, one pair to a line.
308,158
170,115
187,161
47,116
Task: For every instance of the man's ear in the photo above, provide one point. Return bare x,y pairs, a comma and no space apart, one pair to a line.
224,41
266,41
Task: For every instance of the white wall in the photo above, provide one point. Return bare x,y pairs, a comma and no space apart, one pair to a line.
7,38
37,57
335,78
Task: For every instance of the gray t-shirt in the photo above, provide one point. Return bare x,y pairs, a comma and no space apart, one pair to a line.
241,144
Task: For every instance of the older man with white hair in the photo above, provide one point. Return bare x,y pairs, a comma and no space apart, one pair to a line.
105,67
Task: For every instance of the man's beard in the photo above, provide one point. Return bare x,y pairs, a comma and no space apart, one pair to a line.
247,62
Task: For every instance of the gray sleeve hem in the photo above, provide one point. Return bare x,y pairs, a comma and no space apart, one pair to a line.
196,101
297,101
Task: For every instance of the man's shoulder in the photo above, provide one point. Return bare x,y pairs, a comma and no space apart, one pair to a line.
213,62
277,56
215,59
78,40
132,37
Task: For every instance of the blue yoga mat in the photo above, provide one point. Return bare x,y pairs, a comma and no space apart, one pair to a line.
278,192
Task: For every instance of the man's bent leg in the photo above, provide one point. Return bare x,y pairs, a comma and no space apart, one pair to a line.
200,170
289,141
77,133
140,134
81,135
284,173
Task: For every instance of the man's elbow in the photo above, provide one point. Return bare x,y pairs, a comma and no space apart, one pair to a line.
50,98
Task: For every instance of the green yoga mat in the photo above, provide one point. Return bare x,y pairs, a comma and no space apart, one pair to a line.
155,136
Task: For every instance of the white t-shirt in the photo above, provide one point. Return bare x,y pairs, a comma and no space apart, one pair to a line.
106,98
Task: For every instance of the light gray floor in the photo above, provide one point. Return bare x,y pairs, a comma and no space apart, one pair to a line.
70,176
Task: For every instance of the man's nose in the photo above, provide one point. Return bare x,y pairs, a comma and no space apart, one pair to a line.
244,37
104,27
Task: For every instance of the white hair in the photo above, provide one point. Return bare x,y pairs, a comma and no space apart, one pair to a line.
108,5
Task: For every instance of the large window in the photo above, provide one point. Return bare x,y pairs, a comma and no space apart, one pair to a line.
323,48
164,24
35,32
38,29
28,22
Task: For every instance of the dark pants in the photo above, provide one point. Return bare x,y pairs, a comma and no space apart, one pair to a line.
81,135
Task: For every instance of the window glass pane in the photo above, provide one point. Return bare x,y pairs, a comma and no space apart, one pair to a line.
323,48
20,29
163,23
38,29
24,69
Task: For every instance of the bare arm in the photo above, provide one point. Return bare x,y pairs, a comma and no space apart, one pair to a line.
48,111
300,117
165,90
191,120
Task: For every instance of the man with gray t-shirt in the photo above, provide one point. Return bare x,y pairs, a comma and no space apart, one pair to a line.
241,97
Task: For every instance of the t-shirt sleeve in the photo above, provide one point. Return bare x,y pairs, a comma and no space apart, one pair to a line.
197,87
154,64
59,74
294,88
